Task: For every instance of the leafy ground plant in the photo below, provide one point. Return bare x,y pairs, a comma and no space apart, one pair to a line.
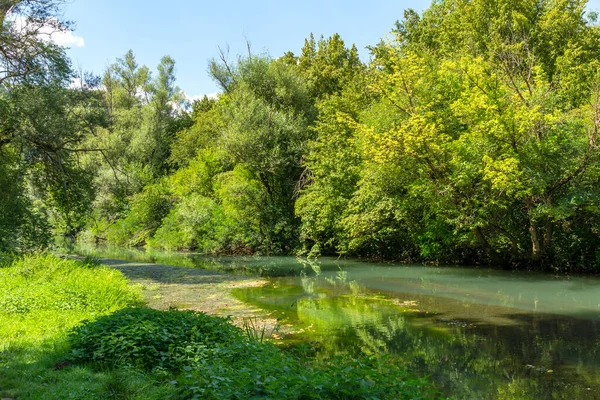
206,357
150,339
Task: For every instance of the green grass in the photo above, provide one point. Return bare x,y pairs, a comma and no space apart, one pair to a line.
41,298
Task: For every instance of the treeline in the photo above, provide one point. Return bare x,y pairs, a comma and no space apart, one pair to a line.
471,136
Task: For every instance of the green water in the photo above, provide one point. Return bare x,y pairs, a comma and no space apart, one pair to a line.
478,333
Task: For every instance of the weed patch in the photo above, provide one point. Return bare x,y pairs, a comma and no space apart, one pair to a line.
150,339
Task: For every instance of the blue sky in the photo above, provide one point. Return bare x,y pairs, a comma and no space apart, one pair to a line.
192,30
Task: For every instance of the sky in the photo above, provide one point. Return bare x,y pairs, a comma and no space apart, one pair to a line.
192,31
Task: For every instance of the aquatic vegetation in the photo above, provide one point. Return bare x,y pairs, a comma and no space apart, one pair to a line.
459,333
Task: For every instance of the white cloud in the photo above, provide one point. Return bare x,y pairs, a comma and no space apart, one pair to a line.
49,32
188,100
67,38
76,83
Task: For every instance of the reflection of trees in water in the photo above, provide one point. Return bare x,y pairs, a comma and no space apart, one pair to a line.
510,361
250,265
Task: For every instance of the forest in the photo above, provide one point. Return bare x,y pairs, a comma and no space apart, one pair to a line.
469,136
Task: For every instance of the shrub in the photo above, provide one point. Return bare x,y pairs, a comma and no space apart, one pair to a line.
195,222
150,339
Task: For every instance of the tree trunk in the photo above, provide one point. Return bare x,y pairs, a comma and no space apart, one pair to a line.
548,235
536,244
541,239
492,254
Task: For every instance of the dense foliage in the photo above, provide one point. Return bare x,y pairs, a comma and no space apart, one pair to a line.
150,339
470,136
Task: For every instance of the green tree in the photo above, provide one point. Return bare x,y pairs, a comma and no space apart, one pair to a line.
144,113
332,169
42,122
328,65
265,116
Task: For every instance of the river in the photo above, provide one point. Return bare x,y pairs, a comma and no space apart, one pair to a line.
478,333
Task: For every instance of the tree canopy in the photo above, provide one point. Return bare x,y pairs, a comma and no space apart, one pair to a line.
470,136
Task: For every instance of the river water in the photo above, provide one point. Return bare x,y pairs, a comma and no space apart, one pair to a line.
478,333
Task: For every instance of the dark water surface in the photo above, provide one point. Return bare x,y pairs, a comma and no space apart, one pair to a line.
478,333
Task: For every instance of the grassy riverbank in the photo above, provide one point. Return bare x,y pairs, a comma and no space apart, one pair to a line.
42,298
77,329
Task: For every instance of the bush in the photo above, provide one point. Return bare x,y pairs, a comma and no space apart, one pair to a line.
195,222
150,339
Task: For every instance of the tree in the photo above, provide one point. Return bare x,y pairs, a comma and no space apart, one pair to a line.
265,117
132,80
332,169
42,122
27,54
167,101
328,65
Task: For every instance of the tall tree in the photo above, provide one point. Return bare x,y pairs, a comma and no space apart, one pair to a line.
265,129
43,121
328,65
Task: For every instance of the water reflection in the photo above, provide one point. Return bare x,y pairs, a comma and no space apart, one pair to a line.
470,350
